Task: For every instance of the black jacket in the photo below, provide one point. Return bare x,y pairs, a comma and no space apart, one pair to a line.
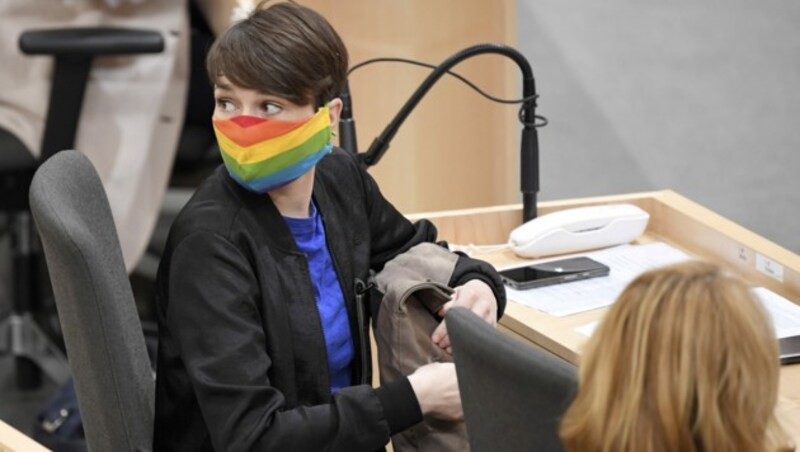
242,362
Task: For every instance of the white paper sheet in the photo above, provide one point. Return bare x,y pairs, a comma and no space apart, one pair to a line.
626,263
785,314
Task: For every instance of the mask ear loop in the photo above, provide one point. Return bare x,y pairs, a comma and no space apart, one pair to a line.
328,106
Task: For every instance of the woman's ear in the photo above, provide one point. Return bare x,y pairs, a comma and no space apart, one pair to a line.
335,110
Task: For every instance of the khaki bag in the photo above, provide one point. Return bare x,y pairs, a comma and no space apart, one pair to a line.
414,287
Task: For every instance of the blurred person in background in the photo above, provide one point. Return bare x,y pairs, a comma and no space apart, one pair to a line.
685,360
133,107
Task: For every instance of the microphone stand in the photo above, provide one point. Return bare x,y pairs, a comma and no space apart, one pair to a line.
347,125
529,151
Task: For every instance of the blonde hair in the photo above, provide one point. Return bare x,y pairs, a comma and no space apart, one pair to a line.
685,360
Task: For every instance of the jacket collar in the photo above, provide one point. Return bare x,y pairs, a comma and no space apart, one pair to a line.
340,242
265,212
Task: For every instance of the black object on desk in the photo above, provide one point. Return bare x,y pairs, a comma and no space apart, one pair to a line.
553,272
789,349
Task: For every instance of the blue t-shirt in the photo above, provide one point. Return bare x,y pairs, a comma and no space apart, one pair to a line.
309,233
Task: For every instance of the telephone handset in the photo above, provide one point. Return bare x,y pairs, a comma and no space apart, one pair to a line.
578,229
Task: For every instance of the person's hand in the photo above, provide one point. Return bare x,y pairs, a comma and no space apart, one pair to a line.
436,388
474,295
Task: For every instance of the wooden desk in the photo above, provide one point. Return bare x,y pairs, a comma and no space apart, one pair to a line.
11,440
674,220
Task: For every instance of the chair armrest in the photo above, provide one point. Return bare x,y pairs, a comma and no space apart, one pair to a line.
87,42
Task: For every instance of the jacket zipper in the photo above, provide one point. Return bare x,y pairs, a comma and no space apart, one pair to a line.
360,289
318,324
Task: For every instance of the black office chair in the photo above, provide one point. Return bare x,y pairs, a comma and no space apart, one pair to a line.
74,50
197,154
513,395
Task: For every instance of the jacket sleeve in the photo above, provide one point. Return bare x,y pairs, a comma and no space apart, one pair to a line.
214,317
468,268
393,234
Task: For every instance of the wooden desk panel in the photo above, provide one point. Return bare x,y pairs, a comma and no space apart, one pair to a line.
789,401
452,123
12,440
674,220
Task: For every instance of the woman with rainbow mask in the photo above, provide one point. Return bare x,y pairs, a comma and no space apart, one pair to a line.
261,290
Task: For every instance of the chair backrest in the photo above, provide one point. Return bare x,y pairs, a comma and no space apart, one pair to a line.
102,331
512,394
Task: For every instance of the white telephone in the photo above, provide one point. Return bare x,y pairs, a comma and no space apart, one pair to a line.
578,229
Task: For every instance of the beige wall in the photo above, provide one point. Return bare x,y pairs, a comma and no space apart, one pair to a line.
456,149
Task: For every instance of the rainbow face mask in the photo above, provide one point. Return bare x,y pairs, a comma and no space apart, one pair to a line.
264,154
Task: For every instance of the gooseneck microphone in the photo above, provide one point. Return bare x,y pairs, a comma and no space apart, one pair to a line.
529,152
347,125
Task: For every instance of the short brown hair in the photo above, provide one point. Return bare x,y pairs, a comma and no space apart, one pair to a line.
286,50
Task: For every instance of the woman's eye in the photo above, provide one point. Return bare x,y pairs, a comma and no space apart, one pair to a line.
225,105
271,109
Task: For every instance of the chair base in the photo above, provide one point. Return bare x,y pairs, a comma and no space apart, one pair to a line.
27,342
20,336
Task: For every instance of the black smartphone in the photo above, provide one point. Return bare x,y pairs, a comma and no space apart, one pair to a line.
790,349
553,272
